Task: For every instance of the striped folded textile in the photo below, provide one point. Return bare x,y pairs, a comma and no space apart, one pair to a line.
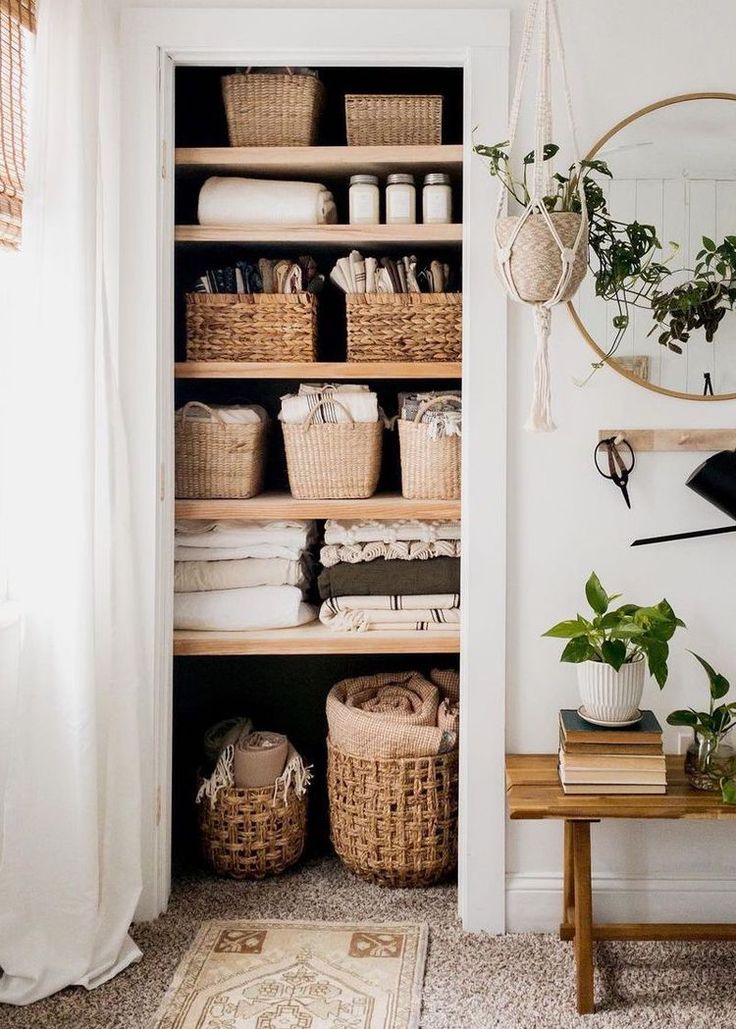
422,613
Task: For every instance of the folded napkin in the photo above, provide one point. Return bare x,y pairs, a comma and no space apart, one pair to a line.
339,532
236,610
382,577
399,550
194,576
240,201
422,613
259,759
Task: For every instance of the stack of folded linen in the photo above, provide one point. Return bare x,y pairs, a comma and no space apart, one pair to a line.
402,575
235,575
328,403
441,411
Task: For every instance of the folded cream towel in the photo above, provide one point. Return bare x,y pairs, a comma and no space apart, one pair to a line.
231,413
239,201
257,607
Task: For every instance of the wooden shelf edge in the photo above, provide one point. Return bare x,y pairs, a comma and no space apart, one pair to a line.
337,235
283,505
320,159
323,370
313,638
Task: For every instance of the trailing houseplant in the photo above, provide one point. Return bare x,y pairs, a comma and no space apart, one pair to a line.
612,647
710,764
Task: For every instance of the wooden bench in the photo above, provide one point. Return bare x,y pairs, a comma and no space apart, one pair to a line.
533,790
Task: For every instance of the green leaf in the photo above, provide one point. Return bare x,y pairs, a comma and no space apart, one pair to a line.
657,653
568,629
709,244
596,595
577,651
550,150
614,653
683,718
719,685
728,791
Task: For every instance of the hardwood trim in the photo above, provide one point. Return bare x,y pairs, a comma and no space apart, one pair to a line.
320,160
674,439
327,370
583,917
654,931
334,235
283,505
313,638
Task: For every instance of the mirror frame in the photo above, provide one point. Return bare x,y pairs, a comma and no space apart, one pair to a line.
611,361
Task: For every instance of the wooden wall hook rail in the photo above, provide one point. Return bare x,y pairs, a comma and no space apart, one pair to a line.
642,440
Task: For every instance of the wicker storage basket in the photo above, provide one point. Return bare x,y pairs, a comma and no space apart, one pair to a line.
393,119
251,326
333,461
248,834
216,458
272,109
536,262
430,468
404,326
394,822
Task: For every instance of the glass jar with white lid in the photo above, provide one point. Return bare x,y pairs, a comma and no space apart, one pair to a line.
401,199
437,199
364,200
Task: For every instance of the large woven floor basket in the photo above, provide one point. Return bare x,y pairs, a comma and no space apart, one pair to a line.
404,326
430,468
272,109
251,326
215,458
394,822
393,119
333,461
247,834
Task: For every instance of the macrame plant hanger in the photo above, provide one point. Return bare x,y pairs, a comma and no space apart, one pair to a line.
529,236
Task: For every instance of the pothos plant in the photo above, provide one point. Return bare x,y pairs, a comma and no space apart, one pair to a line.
712,726
627,260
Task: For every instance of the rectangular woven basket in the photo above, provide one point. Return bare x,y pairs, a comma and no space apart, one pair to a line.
272,109
393,119
430,468
251,326
216,459
404,326
333,462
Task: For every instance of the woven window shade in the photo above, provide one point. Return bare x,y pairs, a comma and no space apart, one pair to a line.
17,18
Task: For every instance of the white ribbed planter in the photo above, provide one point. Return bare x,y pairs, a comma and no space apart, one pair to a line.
608,695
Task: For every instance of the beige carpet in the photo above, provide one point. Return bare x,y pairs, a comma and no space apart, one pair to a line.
261,974
471,981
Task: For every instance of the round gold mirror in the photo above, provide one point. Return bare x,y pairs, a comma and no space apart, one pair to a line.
661,309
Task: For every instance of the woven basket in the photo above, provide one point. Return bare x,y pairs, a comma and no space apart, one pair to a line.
430,468
536,263
333,461
216,458
251,326
393,120
272,109
394,822
247,834
404,326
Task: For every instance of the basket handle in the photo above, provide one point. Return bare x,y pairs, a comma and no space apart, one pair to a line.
320,403
427,404
214,415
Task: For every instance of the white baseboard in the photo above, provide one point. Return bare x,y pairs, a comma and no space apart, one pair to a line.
534,903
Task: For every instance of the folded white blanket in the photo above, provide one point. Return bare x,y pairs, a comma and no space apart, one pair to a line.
388,532
399,550
238,201
260,607
237,413
237,533
330,405
432,613
193,576
246,551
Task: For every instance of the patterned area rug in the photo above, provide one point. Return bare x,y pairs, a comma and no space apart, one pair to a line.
298,975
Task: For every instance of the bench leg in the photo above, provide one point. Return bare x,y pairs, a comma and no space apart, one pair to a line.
568,881
583,916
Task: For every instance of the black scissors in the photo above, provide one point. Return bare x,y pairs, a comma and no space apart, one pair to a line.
618,469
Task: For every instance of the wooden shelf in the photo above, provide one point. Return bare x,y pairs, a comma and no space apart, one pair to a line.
674,439
334,235
319,160
314,638
323,370
269,506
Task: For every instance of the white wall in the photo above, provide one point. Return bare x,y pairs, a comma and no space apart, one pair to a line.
565,520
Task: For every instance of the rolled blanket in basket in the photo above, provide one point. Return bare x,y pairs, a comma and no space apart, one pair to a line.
341,532
235,533
357,405
384,578
399,550
259,607
413,614
193,576
239,201
388,715
259,759
247,414
295,775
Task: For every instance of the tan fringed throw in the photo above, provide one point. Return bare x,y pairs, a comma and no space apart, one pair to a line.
260,758
389,715
295,774
448,714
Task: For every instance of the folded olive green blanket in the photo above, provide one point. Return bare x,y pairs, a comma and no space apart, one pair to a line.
384,577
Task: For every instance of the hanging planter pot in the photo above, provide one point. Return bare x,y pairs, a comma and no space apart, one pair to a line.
535,260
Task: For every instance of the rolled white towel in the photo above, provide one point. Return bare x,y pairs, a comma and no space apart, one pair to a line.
237,201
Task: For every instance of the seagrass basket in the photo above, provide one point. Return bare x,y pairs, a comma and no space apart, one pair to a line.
430,468
251,326
404,326
536,263
333,461
393,119
215,458
272,109
394,821
249,834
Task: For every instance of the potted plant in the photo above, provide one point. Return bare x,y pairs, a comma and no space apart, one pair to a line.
710,763
612,649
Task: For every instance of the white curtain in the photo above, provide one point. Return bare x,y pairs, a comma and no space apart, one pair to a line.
70,869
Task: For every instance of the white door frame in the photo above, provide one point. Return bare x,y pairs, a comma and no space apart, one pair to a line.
154,41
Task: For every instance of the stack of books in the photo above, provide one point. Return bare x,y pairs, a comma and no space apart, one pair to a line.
595,759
